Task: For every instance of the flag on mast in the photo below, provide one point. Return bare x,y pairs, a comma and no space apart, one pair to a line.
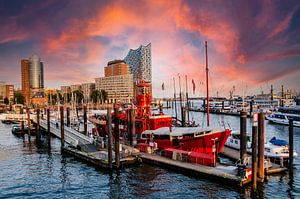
194,86
163,86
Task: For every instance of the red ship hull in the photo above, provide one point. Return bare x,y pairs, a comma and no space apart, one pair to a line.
193,145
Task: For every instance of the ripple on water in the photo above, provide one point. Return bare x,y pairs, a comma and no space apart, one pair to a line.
28,172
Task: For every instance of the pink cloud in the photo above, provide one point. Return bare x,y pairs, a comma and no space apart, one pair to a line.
235,48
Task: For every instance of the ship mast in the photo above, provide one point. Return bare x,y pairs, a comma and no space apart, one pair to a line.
207,91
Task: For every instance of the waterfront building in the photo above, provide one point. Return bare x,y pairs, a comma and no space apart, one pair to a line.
25,65
116,67
87,89
139,61
75,87
2,92
65,89
50,91
32,77
10,93
36,75
118,88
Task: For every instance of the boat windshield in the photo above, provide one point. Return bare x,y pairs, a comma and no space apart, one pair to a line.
294,117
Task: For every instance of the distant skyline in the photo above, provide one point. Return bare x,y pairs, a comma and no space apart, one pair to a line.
251,44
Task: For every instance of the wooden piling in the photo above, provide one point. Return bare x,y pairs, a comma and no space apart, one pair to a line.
291,145
261,145
183,114
38,135
251,107
133,127
117,137
223,105
62,125
243,130
254,156
129,124
85,119
22,126
68,116
29,124
109,147
48,128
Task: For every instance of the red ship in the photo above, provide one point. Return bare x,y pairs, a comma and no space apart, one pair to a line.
190,144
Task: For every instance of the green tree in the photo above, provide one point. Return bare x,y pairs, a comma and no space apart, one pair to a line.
99,96
19,98
103,96
6,101
79,96
95,95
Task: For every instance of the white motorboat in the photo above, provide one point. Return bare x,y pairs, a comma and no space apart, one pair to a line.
283,118
275,148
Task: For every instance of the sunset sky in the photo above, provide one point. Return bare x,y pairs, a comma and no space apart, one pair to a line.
251,44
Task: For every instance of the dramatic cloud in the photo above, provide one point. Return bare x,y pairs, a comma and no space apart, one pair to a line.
252,42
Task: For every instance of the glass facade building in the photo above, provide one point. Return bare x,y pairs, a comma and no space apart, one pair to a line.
139,61
36,72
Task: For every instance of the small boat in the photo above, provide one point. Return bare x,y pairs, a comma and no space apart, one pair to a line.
275,148
283,118
16,129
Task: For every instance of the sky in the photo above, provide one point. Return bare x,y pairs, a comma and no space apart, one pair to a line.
251,44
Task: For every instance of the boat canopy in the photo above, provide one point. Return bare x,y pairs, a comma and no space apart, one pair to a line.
278,142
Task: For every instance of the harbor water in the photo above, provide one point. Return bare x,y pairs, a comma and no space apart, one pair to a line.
28,172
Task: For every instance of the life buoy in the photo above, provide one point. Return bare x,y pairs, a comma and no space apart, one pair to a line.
139,160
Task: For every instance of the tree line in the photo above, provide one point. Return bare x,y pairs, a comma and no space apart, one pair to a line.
97,96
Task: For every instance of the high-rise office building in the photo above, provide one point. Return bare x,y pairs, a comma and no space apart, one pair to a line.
36,72
25,65
32,75
139,61
116,67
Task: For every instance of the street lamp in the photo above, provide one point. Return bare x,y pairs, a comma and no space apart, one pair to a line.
214,150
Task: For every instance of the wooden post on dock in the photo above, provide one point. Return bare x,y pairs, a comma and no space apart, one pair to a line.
223,105
22,126
62,125
109,145
38,135
68,117
117,138
261,145
48,128
129,124
183,114
133,128
251,107
243,130
85,119
291,145
254,153
29,124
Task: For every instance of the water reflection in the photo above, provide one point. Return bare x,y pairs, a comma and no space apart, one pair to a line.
37,173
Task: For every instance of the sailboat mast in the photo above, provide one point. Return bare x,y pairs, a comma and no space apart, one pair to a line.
175,99
207,90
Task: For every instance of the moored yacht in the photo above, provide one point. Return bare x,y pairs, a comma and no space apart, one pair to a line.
274,148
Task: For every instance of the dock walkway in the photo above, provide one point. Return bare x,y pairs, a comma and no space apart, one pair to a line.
72,136
220,172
